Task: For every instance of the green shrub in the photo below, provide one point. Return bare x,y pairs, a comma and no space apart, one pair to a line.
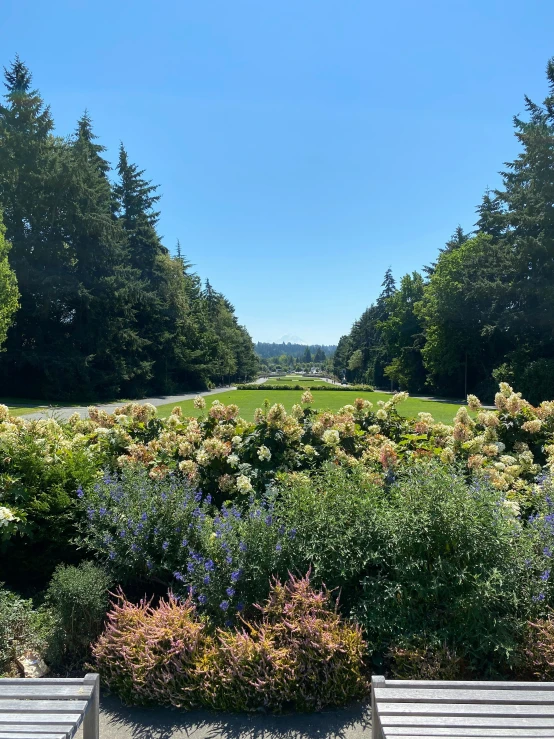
334,516
299,654
21,628
78,599
453,569
40,470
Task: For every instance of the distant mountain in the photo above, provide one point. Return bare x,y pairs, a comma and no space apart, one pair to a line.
266,349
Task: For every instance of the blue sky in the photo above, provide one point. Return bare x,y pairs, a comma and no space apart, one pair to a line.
301,146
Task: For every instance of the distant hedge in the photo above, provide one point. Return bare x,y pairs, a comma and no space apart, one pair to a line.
267,386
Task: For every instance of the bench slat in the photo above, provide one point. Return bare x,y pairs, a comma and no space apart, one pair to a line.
420,732
512,733
494,722
413,695
42,681
460,709
28,735
40,718
40,706
46,692
475,684
36,728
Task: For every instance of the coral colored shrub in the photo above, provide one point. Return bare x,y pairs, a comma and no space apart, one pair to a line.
421,660
301,655
149,655
538,654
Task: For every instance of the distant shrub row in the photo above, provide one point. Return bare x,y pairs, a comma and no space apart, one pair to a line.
267,386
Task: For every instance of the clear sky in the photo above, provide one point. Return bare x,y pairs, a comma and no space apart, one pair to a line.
302,146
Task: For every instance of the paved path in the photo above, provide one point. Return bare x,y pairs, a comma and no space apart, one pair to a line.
120,722
82,410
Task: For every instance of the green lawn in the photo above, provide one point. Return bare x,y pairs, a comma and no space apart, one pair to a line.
22,406
249,400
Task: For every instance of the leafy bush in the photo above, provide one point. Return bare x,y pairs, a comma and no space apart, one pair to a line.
21,628
335,516
166,531
78,599
152,655
299,655
41,465
456,568
417,659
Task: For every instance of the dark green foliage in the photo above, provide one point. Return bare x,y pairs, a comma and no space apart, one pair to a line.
77,599
9,293
21,628
450,570
363,355
104,310
485,310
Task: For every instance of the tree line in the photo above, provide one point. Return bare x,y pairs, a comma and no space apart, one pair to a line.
92,304
484,311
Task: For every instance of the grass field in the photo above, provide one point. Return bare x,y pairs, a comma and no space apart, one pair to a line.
21,406
249,400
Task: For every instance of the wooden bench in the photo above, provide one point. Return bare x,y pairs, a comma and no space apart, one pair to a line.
413,709
49,708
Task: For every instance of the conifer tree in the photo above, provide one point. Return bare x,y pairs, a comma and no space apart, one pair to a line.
9,293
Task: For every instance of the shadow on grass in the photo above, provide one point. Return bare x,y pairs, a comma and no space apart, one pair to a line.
119,722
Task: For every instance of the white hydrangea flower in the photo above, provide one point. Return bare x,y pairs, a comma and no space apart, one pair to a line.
512,507
202,457
264,454
199,402
243,484
7,516
233,460
381,414
331,437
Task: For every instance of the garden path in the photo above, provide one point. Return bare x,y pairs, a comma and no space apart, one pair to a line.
120,722
110,407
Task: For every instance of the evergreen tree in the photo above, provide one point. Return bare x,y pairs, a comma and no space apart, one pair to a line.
9,293
492,218
528,197
403,335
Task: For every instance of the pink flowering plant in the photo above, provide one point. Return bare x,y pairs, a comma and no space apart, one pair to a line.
298,653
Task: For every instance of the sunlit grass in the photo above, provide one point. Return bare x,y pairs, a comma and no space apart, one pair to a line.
249,400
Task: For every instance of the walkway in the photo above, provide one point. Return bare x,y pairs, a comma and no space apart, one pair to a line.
120,722
110,407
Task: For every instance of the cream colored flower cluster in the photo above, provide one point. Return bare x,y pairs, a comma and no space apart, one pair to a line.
508,444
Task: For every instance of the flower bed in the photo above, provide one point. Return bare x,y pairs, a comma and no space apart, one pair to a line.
439,536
